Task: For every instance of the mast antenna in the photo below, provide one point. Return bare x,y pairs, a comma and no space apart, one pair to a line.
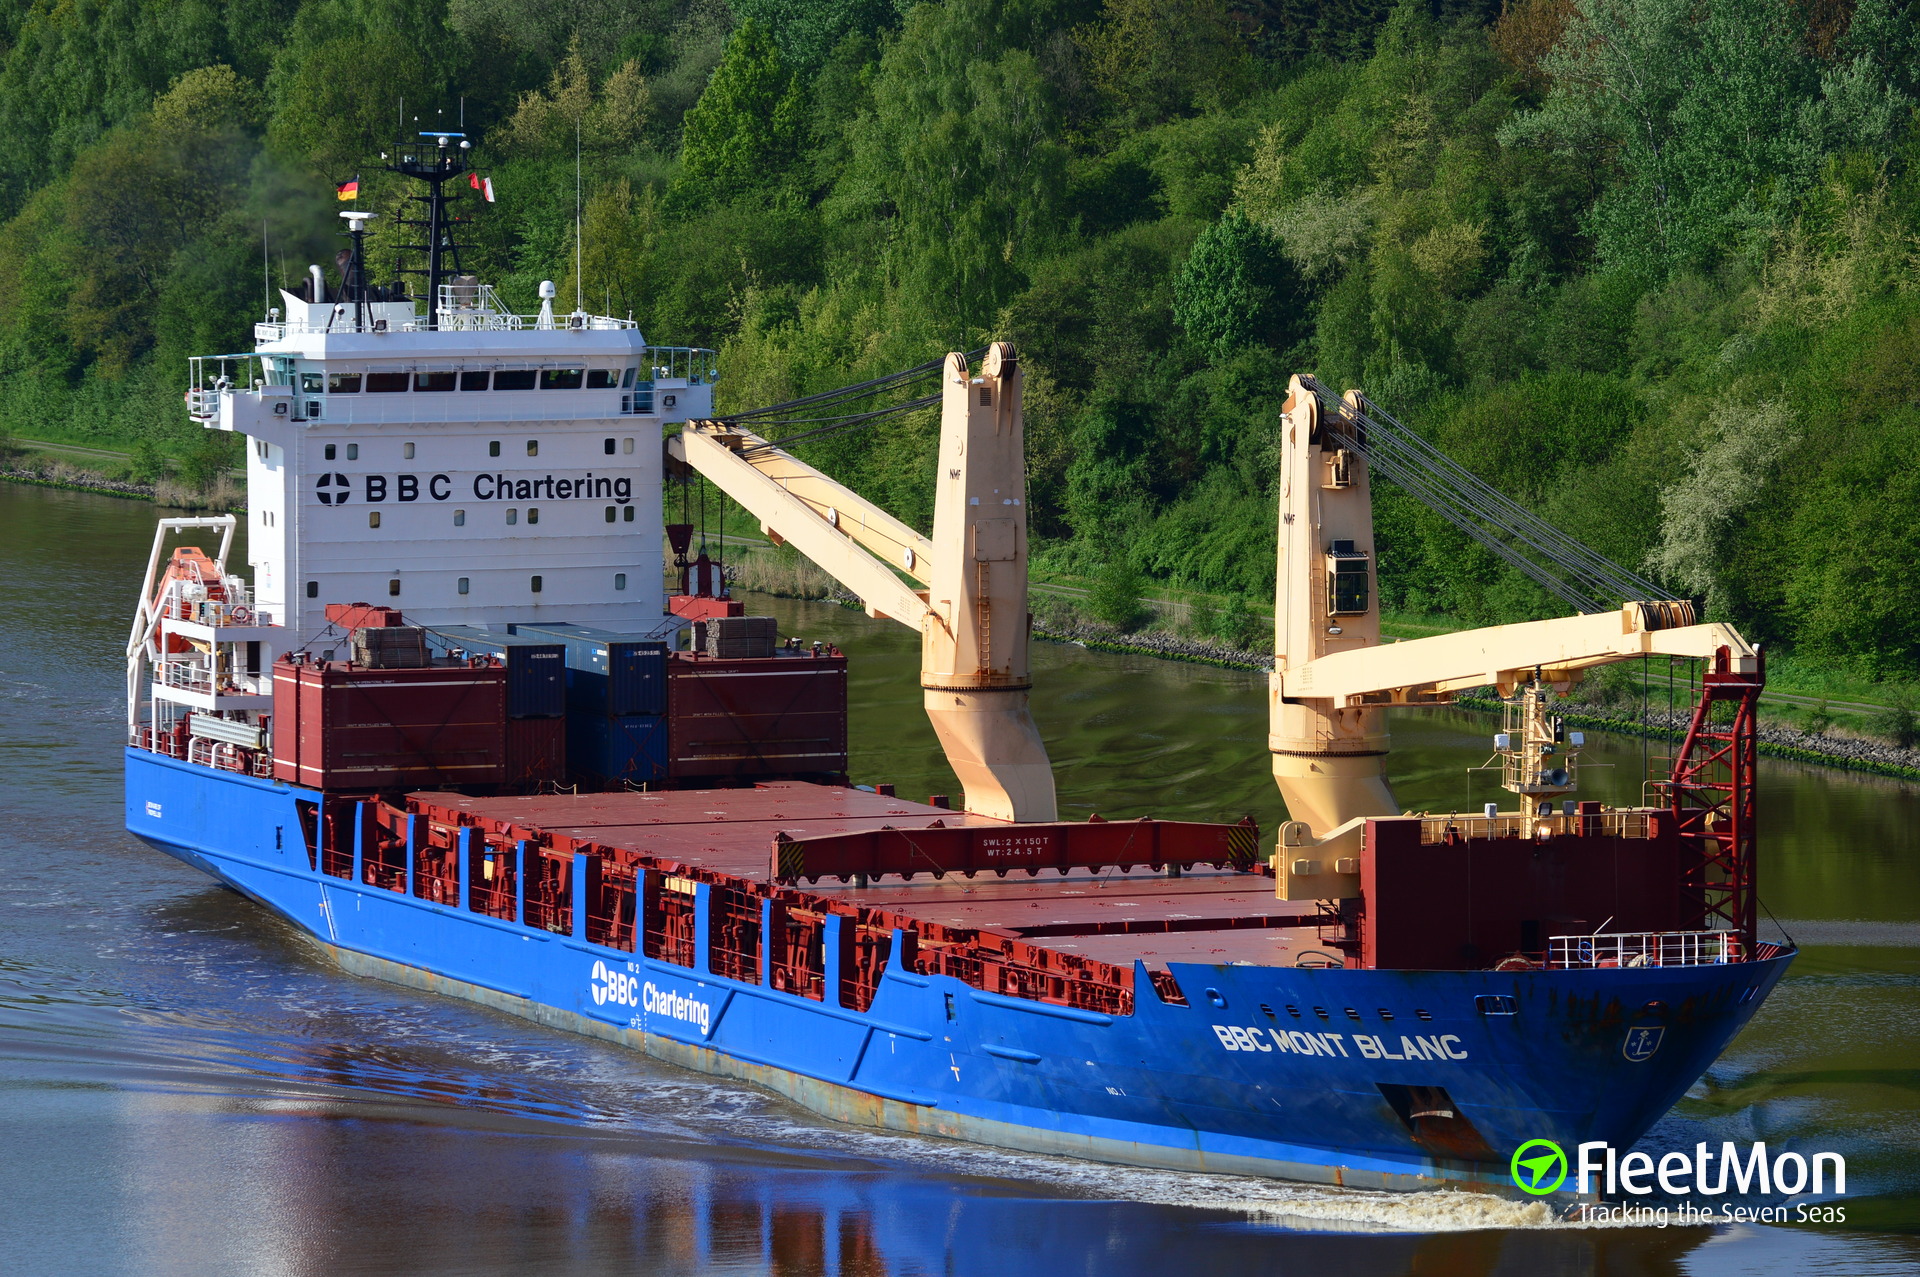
579,283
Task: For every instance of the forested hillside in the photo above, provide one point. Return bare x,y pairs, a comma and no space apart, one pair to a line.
1646,265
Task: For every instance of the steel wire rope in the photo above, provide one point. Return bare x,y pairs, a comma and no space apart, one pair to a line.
1572,554
1460,488
1480,510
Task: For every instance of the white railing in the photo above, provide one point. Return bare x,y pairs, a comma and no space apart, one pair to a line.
1644,949
187,675
1605,824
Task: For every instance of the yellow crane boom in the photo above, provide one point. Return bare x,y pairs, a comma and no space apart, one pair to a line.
972,617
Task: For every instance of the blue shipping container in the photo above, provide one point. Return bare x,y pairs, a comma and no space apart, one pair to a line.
536,669
612,749
609,673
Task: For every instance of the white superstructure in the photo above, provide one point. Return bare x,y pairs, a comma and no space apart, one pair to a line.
500,468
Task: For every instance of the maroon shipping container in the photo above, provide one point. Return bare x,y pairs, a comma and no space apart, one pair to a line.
778,716
340,727
536,750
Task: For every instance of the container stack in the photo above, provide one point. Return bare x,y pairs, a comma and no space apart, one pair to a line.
342,726
616,703
536,684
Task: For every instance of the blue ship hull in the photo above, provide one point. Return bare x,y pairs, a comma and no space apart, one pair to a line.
1232,1083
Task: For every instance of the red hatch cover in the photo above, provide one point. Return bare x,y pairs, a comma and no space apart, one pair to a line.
1053,845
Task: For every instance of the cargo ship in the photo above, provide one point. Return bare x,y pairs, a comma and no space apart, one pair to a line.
478,720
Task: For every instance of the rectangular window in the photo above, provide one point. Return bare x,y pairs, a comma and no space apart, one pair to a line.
626,446
513,517
393,586
619,580
474,380
387,383
626,379
313,589
373,518
461,585
533,514
434,380
536,585
343,383
330,452
608,447
406,450
493,448
603,378
609,514
561,378
515,379
459,518
533,447
353,452
629,514
311,382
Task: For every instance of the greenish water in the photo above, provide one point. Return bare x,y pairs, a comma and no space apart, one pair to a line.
186,1088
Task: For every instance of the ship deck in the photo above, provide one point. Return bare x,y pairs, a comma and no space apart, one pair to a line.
1204,915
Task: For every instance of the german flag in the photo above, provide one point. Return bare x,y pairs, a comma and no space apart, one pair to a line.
348,190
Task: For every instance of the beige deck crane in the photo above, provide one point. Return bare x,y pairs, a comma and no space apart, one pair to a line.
1332,675
972,612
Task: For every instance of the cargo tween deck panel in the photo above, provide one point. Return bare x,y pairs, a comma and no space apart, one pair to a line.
1204,916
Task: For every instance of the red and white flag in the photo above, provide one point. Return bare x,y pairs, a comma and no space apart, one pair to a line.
484,185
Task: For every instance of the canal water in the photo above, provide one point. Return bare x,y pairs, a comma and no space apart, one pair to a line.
186,1087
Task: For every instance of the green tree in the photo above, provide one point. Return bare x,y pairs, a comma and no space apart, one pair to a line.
808,30
1115,596
745,131
1237,288
963,146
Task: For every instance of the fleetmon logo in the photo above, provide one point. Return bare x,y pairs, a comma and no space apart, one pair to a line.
1539,1167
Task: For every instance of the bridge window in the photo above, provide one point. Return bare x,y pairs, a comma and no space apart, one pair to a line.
310,382
387,383
433,380
626,379
603,378
515,379
474,380
343,383
561,378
